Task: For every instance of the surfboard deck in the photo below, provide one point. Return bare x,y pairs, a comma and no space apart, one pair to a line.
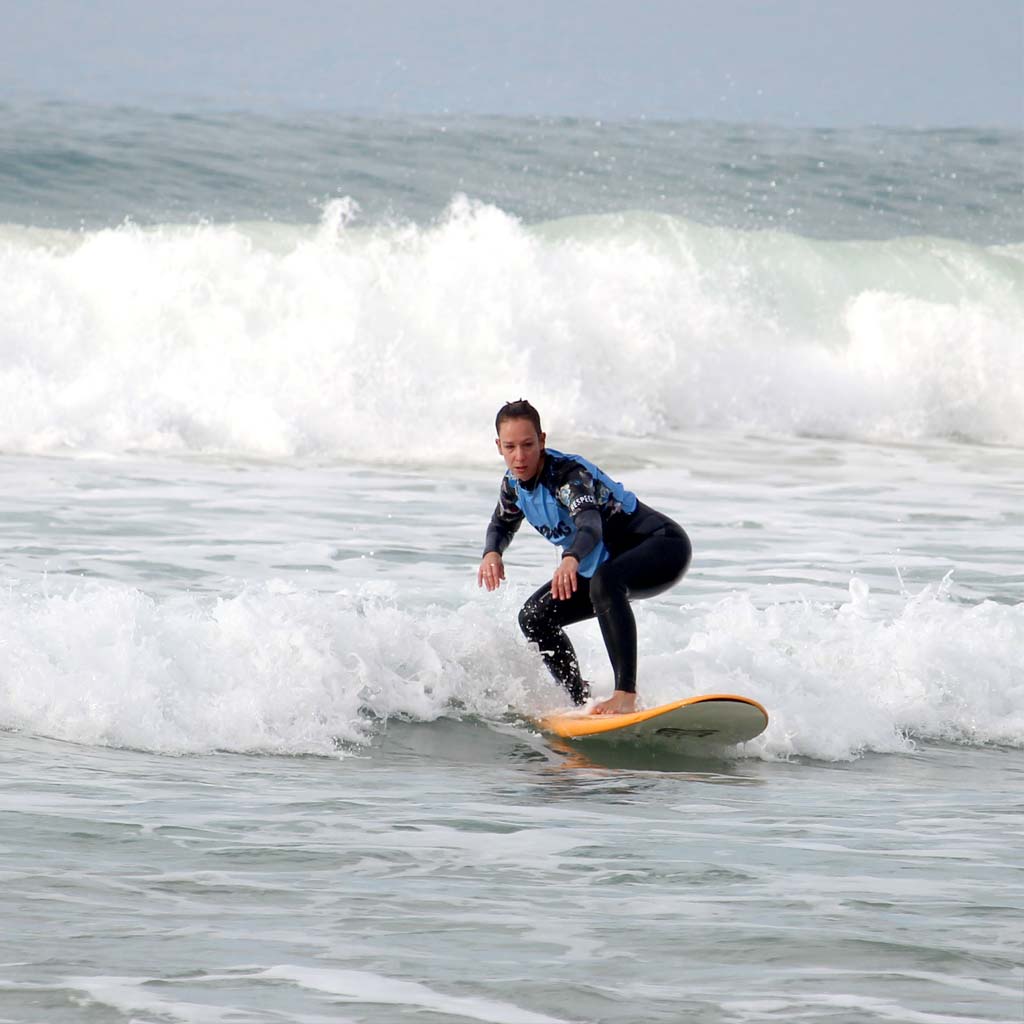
718,718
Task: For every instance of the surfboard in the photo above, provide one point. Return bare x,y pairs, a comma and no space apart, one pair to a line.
714,718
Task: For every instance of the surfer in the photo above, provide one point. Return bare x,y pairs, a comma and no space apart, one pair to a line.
615,549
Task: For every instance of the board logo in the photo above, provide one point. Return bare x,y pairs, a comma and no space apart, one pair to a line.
696,734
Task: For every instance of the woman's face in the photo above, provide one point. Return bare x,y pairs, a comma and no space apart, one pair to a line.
521,447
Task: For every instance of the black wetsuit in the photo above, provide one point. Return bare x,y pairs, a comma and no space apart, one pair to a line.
647,554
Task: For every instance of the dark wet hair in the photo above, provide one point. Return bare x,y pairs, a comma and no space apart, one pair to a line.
520,409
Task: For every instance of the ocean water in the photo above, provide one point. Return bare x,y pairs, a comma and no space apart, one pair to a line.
266,749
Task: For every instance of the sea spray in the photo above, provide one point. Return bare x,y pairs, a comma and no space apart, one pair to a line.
343,342
276,669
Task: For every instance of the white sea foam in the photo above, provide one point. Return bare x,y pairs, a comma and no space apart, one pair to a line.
280,670
131,995
274,669
366,987
340,342
865,676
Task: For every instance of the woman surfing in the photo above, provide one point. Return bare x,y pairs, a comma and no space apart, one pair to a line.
614,549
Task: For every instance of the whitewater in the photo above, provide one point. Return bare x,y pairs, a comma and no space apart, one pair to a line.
266,750
335,340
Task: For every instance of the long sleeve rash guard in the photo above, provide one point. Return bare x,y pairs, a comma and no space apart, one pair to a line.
570,502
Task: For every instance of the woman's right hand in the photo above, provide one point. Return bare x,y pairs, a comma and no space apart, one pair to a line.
491,571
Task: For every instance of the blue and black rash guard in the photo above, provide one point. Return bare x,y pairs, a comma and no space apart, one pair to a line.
570,502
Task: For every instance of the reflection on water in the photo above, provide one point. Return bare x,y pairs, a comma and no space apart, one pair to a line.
709,765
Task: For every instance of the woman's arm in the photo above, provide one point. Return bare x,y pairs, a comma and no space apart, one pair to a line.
505,520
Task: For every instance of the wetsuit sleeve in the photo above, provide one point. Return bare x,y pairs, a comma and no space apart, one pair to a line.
589,530
576,493
505,520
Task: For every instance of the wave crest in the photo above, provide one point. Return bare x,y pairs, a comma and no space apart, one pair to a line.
336,341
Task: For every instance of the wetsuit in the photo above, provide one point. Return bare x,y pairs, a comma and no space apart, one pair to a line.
625,550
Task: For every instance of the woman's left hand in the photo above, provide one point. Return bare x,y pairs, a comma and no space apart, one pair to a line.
563,583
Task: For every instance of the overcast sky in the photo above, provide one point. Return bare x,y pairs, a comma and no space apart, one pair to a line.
810,62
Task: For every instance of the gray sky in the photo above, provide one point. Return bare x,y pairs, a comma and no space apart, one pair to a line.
810,62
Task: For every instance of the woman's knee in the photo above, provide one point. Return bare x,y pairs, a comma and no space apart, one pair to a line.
531,620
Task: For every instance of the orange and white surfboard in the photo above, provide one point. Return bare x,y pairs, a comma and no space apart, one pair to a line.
718,718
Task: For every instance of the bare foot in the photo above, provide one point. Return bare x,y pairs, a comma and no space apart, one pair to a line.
619,703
